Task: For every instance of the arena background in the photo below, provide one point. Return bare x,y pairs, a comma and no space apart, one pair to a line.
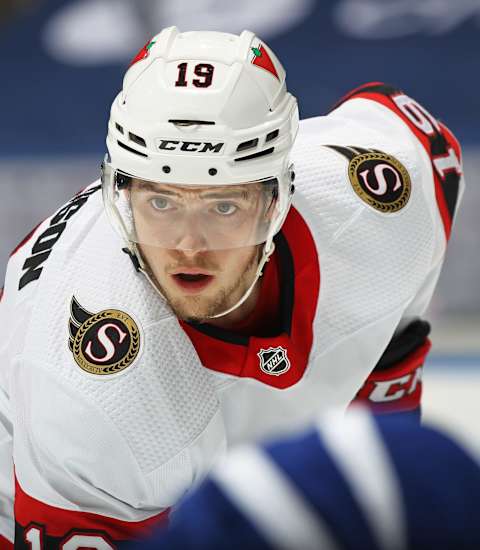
62,62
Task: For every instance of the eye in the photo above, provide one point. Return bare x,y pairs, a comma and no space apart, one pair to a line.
160,203
225,208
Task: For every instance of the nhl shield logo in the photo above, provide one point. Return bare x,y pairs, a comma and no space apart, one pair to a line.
274,361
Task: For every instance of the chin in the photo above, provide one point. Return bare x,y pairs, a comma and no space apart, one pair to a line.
194,313
196,320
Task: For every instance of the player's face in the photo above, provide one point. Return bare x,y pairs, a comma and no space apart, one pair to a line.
183,234
200,284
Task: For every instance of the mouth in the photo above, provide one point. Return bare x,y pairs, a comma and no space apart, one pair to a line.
192,282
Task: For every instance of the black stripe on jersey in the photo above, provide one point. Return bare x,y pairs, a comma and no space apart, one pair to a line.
450,184
287,282
384,89
450,181
220,333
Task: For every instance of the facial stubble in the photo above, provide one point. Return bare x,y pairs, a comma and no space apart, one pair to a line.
200,308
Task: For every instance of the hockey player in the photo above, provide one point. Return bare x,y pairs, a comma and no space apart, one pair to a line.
349,483
223,304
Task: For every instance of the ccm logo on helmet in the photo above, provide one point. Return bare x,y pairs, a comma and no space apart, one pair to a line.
190,146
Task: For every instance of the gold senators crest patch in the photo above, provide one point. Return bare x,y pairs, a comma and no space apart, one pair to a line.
102,343
378,178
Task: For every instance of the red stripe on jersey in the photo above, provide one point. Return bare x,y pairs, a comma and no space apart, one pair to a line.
397,388
5,544
25,240
58,522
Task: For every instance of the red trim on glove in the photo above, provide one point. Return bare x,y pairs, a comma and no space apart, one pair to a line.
398,388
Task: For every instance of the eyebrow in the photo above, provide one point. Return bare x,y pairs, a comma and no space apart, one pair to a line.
153,187
227,195
230,194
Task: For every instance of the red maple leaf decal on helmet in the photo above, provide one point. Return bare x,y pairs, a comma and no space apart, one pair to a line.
263,60
143,53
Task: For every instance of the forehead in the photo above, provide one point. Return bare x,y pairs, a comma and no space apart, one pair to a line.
173,189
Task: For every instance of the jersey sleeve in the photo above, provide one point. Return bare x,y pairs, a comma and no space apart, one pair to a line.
439,143
395,384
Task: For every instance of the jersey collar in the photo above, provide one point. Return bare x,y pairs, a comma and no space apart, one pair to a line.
279,360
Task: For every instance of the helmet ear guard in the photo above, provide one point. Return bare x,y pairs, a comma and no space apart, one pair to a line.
122,181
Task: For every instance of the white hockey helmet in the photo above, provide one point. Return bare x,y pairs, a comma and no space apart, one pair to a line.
201,109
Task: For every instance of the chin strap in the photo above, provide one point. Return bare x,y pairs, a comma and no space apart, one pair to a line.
133,252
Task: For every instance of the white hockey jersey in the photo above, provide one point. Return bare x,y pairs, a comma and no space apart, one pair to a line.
112,409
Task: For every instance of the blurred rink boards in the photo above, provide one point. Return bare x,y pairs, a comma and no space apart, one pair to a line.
63,61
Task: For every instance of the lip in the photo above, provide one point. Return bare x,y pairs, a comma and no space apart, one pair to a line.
192,287
191,271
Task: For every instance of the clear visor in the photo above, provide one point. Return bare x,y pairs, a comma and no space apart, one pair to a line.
193,217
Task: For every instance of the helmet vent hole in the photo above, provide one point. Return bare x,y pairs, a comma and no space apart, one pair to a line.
118,127
166,169
248,144
256,155
129,149
137,139
187,122
272,135
213,171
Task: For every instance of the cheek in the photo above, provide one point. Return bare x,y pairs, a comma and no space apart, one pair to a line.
155,258
234,262
143,229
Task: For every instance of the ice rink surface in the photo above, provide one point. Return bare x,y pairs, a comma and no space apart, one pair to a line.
451,396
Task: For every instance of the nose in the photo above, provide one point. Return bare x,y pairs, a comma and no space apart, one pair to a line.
191,237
